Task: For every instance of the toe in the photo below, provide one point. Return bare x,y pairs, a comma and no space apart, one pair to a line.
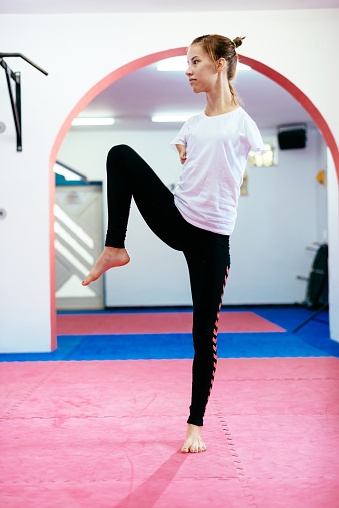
186,447
86,280
91,277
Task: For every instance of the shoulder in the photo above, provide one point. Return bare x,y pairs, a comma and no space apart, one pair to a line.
195,118
247,118
193,121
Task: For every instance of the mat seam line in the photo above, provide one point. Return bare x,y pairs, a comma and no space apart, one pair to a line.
33,482
241,475
95,417
5,416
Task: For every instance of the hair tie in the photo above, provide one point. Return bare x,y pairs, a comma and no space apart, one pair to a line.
234,44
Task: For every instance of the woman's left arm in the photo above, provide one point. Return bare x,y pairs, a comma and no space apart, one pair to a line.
182,153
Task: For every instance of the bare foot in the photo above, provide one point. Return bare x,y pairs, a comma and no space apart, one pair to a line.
193,442
109,258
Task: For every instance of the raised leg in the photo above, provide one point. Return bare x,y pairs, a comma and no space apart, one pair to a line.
128,175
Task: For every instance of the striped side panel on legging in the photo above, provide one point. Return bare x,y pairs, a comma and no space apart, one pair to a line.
215,334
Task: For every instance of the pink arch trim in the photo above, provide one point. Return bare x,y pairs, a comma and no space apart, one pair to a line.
306,103
138,64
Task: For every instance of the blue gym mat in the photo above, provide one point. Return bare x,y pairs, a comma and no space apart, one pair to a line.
311,340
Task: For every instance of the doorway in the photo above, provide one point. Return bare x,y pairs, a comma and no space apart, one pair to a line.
150,59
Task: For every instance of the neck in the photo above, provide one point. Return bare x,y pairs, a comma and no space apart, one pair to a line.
219,100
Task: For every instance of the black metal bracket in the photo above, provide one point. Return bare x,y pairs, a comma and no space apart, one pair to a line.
16,103
323,307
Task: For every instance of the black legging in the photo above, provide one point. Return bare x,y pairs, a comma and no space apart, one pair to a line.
206,253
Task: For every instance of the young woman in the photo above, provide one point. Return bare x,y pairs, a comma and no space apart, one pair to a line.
198,219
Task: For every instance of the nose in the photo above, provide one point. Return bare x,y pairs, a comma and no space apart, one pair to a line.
188,71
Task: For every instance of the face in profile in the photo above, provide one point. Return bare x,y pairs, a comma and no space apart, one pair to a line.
202,70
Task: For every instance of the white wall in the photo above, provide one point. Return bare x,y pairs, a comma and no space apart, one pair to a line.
333,226
276,221
280,216
80,50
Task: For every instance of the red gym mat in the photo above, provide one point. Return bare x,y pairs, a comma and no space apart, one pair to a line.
108,433
162,322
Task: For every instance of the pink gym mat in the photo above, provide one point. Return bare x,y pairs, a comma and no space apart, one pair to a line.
163,322
108,433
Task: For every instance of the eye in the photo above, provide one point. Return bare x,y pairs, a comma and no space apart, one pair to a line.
195,61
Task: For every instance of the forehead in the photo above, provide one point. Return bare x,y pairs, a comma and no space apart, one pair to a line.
196,50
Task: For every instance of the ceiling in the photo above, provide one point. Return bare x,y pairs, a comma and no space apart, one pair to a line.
135,98
132,100
86,6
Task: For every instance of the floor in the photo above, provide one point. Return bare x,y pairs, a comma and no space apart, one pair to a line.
100,421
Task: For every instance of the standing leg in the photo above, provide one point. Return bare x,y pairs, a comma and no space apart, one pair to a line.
128,175
208,264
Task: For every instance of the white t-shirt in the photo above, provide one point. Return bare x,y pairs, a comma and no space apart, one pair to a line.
217,149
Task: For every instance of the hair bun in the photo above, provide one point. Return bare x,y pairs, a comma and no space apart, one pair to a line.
238,41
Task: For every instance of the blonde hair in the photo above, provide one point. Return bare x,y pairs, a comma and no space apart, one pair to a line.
218,46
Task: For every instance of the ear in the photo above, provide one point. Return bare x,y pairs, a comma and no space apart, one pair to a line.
221,64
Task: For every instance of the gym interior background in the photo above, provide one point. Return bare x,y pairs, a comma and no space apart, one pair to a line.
84,53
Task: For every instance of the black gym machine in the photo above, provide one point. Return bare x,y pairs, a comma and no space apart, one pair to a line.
317,284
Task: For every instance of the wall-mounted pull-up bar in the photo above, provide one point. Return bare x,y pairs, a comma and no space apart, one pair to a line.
16,104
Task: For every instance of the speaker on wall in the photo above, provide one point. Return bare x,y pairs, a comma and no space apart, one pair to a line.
292,136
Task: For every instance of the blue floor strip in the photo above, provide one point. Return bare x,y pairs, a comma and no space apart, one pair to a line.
311,340
169,346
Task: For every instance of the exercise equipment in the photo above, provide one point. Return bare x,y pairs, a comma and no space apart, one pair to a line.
16,103
317,287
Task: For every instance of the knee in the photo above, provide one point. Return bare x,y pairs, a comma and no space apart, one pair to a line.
117,152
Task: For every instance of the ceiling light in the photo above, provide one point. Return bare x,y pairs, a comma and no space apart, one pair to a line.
176,63
179,63
243,67
172,118
92,121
